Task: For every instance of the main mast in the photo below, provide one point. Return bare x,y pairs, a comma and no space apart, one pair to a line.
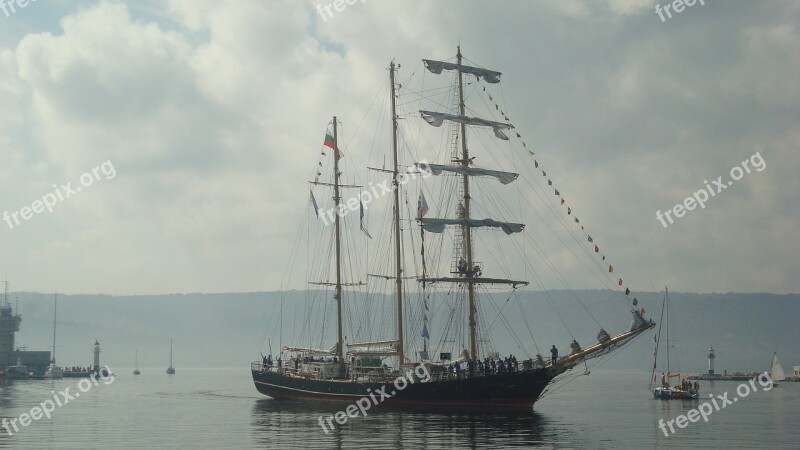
398,256
467,248
337,200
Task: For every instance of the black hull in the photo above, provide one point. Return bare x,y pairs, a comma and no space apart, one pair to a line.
505,391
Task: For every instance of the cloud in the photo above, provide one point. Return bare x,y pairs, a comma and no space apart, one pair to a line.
213,114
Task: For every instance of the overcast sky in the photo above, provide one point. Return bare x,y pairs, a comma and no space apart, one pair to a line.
211,115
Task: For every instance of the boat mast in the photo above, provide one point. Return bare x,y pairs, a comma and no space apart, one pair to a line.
337,200
397,254
467,248
666,305
55,315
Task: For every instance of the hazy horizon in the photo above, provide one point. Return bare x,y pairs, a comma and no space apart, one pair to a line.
229,330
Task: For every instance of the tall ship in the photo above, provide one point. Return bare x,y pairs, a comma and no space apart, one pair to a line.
441,289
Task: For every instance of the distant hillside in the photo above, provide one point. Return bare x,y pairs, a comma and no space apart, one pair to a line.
227,330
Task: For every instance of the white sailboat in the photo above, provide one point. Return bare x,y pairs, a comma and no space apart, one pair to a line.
53,371
777,372
136,364
170,370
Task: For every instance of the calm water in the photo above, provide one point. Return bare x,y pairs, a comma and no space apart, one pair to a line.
219,408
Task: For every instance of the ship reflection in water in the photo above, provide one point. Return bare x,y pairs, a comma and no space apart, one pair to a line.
403,429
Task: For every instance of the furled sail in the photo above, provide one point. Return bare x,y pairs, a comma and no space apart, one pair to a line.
437,119
391,342
436,67
437,225
475,280
437,169
374,348
310,351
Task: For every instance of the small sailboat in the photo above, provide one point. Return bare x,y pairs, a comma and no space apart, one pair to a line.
136,364
686,390
54,372
170,370
776,372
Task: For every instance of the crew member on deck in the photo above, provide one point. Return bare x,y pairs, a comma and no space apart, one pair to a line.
554,354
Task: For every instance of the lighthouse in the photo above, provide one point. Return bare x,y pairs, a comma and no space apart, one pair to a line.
711,361
9,325
96,351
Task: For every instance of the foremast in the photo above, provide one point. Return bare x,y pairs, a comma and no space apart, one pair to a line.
468,271
467,231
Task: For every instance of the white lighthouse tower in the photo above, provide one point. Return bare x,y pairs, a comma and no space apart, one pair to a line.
96,366
711,361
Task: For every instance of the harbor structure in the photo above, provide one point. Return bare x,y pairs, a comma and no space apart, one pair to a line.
27,363
9,326
96,351
711,361
711,375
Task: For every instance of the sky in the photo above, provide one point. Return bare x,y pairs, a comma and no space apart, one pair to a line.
191,127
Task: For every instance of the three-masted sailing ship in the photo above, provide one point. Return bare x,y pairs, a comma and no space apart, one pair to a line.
471,376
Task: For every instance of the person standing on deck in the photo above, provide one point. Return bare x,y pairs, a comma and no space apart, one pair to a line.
554,354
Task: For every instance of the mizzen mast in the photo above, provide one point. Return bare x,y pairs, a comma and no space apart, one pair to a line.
337,199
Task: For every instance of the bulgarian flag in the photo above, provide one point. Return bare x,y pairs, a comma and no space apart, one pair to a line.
329,143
